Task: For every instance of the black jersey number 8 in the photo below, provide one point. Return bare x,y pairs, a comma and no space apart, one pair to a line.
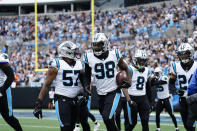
103,70
140,83
68,80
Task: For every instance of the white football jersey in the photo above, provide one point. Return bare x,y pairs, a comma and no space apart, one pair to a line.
67,79
183,77
163,90
3,59
104,71
138,81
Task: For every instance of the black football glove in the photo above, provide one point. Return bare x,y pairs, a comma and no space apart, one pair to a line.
151,108
125,84
2,92
132,104
82,100
180,92
38,109
86,91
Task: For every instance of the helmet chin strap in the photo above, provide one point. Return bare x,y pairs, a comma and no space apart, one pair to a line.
98,53
138,68
185,61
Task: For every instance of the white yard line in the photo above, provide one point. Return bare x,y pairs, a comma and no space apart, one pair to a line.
165,124
56,127
31,126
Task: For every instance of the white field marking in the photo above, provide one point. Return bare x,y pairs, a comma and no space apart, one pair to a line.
55,119
31,126
165,124
52,127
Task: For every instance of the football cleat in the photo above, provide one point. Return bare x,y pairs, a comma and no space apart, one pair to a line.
96,126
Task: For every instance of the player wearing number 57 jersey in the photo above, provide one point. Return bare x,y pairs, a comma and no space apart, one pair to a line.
138,90
182,71
67,70
102,64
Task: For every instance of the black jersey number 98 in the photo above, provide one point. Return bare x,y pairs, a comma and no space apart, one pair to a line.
104,70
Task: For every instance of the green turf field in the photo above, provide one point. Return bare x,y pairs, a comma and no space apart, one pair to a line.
32,124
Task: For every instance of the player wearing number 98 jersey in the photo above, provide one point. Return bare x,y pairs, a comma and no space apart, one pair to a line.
102,64
138,90
182,71
67,70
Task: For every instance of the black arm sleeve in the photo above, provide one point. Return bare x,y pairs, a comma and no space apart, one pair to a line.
149,93
10,78
85,78
155,82
172,87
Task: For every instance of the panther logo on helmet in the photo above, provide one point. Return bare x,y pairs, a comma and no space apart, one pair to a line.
67,49
185,53
140,59
100,43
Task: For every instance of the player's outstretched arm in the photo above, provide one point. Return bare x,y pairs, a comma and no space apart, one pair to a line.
5,67
51,75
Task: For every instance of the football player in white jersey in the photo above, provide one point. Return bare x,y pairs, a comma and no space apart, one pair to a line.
182,71
102,64
67,70
140,90
6,79
160,81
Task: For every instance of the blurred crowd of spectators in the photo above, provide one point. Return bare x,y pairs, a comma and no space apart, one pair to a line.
158,29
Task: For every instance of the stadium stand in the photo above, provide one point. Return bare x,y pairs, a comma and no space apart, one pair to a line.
158,28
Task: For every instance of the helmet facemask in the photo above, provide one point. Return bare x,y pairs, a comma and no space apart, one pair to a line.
99,47
158,72
140,62
185,53
185,56
77,54
140,59
100,44
157,75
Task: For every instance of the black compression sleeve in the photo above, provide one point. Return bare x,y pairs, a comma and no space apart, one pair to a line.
10,78
85,78
149,93
158,82
172,87
88,73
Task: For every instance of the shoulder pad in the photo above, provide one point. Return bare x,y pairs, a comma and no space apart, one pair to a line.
54,63
4,58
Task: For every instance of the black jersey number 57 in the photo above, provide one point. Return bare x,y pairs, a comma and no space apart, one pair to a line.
67,77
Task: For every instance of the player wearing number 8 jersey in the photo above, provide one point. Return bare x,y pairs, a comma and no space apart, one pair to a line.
138,90
182,71
67,70
102,64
